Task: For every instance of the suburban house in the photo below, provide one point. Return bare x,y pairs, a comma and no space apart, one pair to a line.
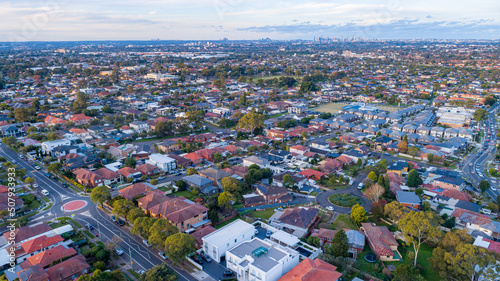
69,269
355,237
204,185
296,221
382,242
477,223
184,214
88,178
398,167
139,126
218,242
109,176
308,270
147,169
273,194
169,146
48,146
163,162
128,172
408,199
194,157
135,190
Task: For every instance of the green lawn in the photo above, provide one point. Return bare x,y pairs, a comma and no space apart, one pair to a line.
185,193
56,225
34,203
137,276
89,235
344,221
73,221
422,260
344,200
264,214
226,222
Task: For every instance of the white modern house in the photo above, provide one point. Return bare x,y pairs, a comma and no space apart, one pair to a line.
217,243
139,126
48,146
163,162
261,260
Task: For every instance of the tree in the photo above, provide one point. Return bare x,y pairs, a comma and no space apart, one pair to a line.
358,214
29,181
430,157
419,228
135,213
374,192
472,262
142,225
100,194
313,240
340,245
54,167
403,146
181,185
130,162
191,171
395,211
413,179
154,182
413,150
217,157
164,128
224,199
178,246
159,232
100,265
498,200
231,185
480,114
378,209
288,181
159,273
373,176
251,121
403,273
81,102
122,207
484,185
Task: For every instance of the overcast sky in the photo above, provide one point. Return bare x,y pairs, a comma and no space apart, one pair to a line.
60,20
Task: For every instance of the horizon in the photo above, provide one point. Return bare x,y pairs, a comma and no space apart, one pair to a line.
60,21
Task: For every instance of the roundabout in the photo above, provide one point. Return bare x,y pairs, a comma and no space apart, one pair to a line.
74,205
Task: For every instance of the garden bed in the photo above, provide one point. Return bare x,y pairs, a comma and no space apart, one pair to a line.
344,200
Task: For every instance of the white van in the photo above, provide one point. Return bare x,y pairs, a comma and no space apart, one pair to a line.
485,211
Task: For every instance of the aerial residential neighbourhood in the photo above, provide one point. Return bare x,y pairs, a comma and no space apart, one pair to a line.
338,158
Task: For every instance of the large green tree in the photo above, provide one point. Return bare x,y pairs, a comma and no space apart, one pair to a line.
340,245
419,228
159,232
251,121
159,273
121,207
178,246
484,185
413,179
100,194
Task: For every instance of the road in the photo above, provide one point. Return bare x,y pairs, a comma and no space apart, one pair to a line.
322,197
475,164
143,257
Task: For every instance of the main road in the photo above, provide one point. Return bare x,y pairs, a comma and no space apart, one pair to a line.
142,256
475,165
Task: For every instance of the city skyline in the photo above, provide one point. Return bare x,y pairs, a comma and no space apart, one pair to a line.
54,20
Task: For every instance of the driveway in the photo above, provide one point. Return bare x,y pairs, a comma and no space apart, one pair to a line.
322,198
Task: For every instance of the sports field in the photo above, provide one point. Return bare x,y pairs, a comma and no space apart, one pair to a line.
334,107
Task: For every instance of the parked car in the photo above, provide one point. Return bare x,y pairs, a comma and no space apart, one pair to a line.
141,271
146,242
64,184
45,192
160,178
35,185
330,208
227,273
37,167
119,251
89,226
120,222
113,218
268,233
360,185
162,254
200,260
206,257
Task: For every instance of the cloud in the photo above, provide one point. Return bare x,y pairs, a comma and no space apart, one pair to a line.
398,29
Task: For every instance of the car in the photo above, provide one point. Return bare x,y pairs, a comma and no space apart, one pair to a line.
330,208
113,218
141,271
21,156
388,154
45,192
360,185
160,178
146,242
470,164
64,184
207,258
162,254
200,260
89,226
35,185
256,232
13,161
119,251
48,174
227,273
268,233
37,167
120,222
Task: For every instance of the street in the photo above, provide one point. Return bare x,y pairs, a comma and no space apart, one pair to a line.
143,257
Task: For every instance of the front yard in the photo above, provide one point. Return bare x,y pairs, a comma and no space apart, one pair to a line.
264,214
344,221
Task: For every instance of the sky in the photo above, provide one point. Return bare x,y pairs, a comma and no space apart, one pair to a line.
77,20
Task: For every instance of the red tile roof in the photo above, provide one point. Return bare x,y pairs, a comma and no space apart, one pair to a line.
380,238
40,243
68,268
47,257
312,270
310,173
28,231
134,190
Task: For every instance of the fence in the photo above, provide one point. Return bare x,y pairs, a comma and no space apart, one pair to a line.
197,265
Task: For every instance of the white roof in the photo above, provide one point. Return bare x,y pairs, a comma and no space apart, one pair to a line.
286,238
228,232
63,229
481,243
159,158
